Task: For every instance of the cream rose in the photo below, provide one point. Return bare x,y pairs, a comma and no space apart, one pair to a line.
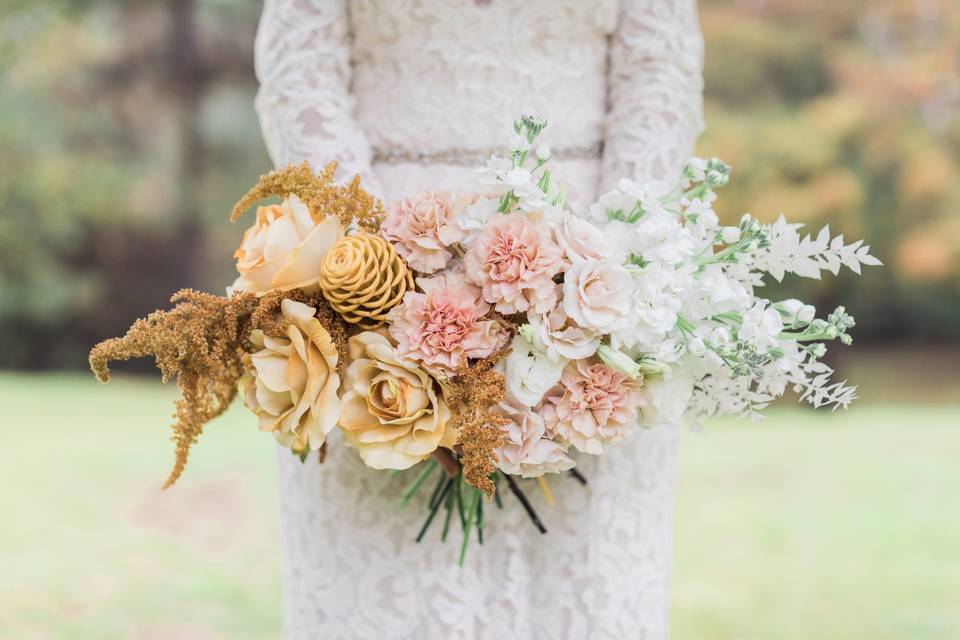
284,248
561,337
392,413
580,240
293,381
598,295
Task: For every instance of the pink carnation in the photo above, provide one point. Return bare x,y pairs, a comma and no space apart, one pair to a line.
592,405
514,260
422,228
527,449
445,324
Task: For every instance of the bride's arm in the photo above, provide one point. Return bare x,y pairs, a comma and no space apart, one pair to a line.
304,102
655,91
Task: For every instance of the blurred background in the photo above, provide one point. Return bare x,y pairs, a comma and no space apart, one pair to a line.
127,131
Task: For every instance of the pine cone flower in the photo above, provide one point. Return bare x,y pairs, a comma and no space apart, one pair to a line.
363,278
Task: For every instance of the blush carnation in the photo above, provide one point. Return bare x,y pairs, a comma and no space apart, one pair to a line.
527,451
592,406
444,324
422,228
561,337
514,260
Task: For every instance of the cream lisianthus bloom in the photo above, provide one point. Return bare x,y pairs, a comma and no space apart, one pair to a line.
598,295
294,382
392,412
284,248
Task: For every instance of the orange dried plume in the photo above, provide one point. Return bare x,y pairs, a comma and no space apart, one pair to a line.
319,192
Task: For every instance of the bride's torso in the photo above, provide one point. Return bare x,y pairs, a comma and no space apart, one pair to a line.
439,84
431,76
426,89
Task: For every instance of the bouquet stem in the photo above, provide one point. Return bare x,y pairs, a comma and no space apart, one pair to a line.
433,511
471,512
412,489
526,504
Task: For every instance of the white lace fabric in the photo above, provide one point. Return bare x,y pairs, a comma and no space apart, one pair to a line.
343,80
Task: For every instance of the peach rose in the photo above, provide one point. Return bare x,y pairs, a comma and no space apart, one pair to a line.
293,381
284,248
422,228
514,259
592,406
392,412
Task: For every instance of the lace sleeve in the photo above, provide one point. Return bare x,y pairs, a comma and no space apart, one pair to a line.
655,108
304,102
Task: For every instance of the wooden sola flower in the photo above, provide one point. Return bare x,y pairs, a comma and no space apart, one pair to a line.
363,278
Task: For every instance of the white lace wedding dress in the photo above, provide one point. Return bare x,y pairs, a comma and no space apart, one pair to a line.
412,94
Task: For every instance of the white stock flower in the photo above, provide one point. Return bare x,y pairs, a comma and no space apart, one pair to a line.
648,194
474,217
609,202
655,308
665,399
761,326
661,237
798,310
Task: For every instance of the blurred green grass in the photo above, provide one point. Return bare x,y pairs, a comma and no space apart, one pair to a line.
827,525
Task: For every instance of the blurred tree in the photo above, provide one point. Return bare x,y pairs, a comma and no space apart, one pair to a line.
849,115
128,130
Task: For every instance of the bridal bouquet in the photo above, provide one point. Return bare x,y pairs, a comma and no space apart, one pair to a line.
492,335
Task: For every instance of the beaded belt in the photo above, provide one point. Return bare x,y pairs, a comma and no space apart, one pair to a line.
476,157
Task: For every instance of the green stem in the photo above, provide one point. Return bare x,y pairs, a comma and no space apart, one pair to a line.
436,491
446,520
480,521
412,489
684,325
433,512
468,525
458,498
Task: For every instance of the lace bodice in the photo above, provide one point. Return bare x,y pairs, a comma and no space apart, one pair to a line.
349,80
409,93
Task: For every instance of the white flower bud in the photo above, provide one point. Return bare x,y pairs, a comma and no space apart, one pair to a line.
817,349
729,235
527,332
519,143
618,361
518,177
696,345
543,151
791,306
